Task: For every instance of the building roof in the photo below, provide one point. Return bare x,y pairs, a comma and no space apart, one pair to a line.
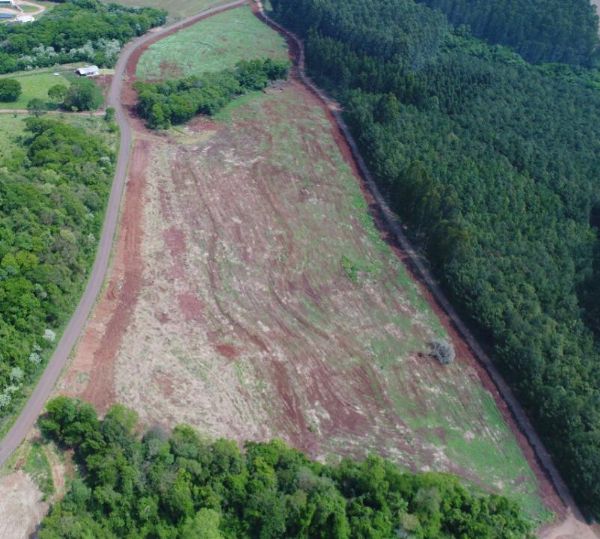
88,70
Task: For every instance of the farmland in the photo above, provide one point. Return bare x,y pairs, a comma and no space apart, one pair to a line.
252,296
177,9
34,85
218,43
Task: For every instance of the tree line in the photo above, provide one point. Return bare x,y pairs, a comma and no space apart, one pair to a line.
53,190
494,165
539,30
74,31
181,486
177,101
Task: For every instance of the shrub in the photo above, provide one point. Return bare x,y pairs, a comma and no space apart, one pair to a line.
443,351
83,95
10,90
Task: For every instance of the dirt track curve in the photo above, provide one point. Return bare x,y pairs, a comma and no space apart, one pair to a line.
42,391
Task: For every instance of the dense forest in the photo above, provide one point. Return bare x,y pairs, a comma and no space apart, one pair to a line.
177,101
74,31
180,486
53,190
539,30
494,165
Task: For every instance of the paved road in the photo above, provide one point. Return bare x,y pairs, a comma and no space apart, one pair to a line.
42,391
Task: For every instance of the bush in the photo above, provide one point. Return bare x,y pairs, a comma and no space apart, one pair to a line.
83,94
10,90
57,93
443,351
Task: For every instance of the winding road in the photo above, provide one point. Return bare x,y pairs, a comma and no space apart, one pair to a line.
45,385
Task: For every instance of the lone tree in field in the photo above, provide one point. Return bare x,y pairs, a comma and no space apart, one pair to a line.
57,93
443,351
10,90
37,107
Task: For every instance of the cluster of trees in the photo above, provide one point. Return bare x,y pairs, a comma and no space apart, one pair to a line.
494,164
78,30
177,101
180,486
10,90
53,189
541,31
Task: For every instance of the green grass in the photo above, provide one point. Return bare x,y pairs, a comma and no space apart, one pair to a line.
38,467
34,85
212,45
177,9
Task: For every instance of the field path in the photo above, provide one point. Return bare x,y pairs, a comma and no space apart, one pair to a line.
38,398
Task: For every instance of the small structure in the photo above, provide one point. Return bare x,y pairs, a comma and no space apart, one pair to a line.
24,18
7,15
7,2
88,71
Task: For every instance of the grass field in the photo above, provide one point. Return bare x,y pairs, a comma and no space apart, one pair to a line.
177,9
34,84
217,43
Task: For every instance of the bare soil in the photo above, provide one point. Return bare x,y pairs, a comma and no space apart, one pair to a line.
21,507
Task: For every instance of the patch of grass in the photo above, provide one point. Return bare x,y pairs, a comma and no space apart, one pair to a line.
177,9
38,467
35,85
217,43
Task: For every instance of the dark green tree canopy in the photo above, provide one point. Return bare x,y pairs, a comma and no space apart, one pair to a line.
10,90
180,486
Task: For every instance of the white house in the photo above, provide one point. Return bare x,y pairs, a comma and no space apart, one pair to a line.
88,71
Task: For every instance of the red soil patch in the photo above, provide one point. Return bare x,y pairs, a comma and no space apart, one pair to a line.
227,350
103,335
191,307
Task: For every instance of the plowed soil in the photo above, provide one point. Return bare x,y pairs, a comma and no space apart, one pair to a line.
252,296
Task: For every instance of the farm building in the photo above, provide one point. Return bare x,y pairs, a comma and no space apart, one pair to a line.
24,18
7,2
7,15
88,71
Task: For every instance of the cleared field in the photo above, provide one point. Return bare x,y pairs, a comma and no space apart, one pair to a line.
218,43
35,85
252,297
177,9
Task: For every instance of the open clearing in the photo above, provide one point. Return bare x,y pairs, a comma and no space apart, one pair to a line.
35,85
218,43
251,296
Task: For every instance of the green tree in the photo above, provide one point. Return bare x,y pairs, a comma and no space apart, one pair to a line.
37,107
83,94
10,90
57,93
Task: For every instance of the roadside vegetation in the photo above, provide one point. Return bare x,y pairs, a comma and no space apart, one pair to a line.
75,31
177,101
178,485
219,43
493,163
54,182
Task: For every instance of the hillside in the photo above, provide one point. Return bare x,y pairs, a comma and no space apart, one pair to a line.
252,296
494,164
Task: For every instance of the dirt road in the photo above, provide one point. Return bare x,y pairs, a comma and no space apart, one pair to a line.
40,394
